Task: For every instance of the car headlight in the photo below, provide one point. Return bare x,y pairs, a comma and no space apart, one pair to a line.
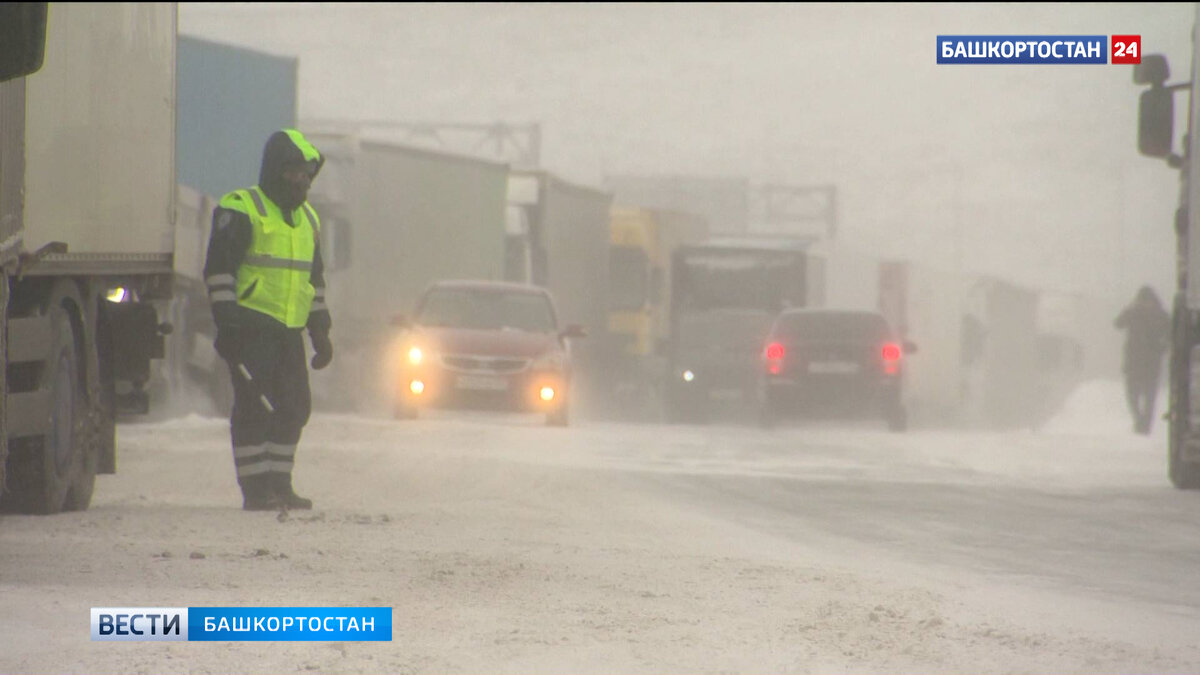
415,355
550,361
418,355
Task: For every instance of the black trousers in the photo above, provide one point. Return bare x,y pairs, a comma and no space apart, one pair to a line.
271,403
1141,390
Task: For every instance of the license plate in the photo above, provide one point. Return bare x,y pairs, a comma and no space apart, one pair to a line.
482,383
725,394
833,367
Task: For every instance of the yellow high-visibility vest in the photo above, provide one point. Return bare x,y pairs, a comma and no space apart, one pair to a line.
274,277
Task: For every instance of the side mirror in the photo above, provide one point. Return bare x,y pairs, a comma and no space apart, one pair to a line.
1156,121
910,347
573,330
401,321
22,38
1153,70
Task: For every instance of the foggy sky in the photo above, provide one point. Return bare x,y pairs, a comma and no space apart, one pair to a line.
1030,172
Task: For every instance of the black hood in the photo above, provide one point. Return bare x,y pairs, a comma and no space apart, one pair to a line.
281,148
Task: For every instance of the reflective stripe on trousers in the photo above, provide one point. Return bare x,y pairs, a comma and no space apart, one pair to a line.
252,460
264,440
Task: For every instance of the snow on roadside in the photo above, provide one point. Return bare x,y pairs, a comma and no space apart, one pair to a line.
504,546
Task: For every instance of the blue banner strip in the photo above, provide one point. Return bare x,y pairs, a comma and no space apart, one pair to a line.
1022,49
295,624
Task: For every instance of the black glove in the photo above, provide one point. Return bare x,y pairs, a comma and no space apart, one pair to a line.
323,349
228,343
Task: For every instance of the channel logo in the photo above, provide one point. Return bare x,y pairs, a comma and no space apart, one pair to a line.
137,624
240,624
1034,49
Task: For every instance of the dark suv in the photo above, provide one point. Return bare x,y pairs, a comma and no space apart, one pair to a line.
834,363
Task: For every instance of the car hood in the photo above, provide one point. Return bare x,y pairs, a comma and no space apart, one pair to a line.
513,343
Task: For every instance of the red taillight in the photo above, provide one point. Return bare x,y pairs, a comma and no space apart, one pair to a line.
891,352
775,351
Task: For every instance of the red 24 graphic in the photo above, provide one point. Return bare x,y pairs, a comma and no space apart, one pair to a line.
1126,49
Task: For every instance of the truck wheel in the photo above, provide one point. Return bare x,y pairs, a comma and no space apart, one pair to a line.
70,459
102,443
42,475
83,484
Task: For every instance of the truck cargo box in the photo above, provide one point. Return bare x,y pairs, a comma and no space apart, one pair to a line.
395,218
100,141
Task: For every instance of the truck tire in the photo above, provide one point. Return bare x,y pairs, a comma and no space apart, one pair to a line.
83,483
44,474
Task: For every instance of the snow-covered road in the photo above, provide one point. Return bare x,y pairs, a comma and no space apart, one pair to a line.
505,546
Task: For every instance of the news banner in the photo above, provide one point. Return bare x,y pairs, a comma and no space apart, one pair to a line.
1039,49
239,624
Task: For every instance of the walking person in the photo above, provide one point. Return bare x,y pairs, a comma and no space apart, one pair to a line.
1147,327
265,282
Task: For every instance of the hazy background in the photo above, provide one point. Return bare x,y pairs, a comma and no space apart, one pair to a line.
1028,172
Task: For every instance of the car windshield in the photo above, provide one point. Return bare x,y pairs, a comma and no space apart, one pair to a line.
832,326
718,279
479,309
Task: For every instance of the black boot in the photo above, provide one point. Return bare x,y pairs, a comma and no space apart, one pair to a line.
282,484
257,494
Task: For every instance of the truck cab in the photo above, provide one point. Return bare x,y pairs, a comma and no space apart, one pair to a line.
1157,138
642,241
725,293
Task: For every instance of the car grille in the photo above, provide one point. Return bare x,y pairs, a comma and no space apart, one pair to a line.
499,365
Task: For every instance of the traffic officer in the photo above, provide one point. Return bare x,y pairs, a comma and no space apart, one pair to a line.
264,276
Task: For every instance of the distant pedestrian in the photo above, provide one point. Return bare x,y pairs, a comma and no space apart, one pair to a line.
1147,327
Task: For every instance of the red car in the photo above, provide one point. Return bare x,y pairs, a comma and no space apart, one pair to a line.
485,345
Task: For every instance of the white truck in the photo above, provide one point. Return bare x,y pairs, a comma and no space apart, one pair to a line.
87,192
394,219
557,236
1156,138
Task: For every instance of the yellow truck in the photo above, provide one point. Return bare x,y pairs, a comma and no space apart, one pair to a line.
642,241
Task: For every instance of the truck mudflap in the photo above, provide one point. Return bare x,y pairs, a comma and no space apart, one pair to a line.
137,337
